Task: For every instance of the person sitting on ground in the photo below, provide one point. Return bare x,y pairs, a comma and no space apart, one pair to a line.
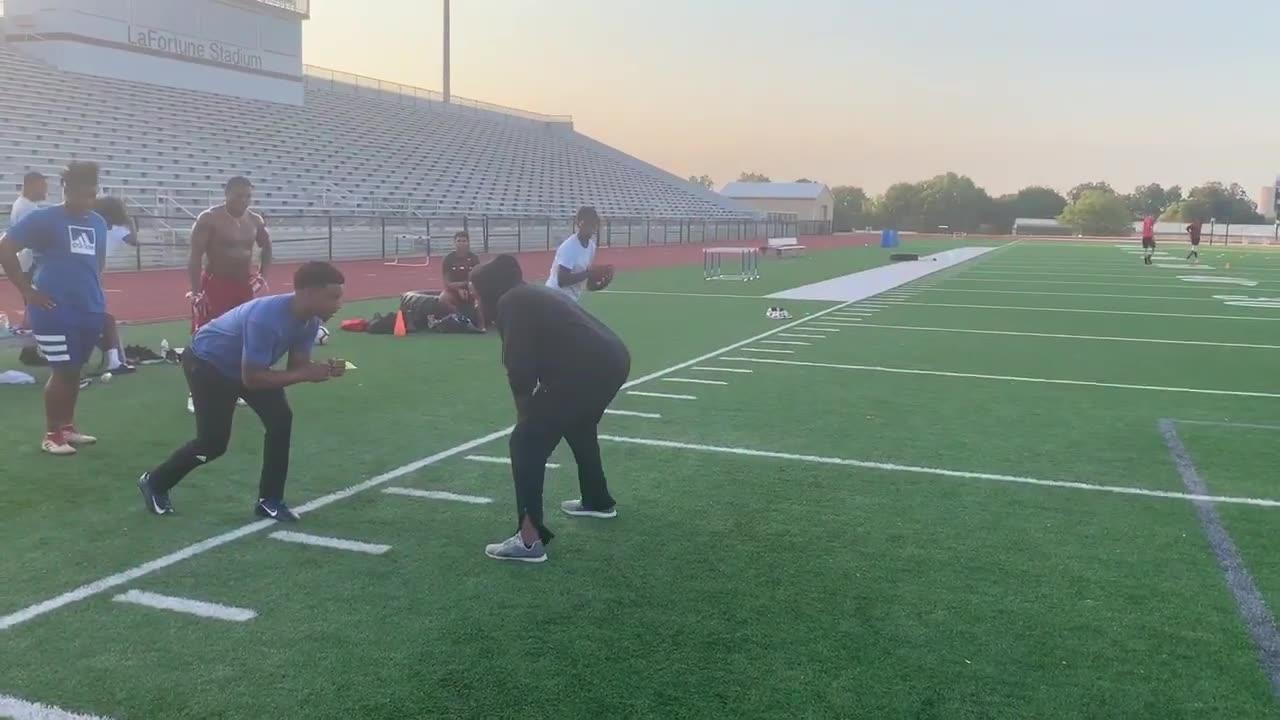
446,312
457,265
456,270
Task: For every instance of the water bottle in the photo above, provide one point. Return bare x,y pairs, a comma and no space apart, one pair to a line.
164,348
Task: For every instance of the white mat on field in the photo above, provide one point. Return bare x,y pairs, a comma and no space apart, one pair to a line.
862,285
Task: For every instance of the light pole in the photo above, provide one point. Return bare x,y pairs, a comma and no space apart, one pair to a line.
447,94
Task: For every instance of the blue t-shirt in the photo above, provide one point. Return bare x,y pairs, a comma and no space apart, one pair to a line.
69,252
257,333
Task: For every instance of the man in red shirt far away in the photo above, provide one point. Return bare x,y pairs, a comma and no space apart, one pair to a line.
1193,232
1148,238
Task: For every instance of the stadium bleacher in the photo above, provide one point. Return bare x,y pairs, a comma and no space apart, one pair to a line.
349,150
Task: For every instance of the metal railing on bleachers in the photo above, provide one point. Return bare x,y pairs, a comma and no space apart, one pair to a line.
164,241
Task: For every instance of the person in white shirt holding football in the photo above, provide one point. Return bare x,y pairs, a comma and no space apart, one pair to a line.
574,268
35,190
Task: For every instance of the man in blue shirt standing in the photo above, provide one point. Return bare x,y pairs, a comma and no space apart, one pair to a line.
231,357
65,304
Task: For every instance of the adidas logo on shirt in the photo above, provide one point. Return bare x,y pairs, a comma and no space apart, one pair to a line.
84,241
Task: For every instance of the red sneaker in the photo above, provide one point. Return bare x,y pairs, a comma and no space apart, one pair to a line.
55,443
75,437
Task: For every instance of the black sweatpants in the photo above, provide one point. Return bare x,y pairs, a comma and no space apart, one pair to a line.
553,417
214,396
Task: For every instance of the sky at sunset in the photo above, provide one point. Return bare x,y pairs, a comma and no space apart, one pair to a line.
865,93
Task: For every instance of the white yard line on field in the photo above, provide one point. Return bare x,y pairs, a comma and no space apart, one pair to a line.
1092,311
940,472
1007,378
1012,333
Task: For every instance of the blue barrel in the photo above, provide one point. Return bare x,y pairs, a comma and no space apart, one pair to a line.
888,238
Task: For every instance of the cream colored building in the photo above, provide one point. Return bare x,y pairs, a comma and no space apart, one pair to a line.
1267,199
809,201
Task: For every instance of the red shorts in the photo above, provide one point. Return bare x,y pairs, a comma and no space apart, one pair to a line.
221,295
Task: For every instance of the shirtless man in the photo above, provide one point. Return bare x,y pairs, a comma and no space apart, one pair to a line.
221,262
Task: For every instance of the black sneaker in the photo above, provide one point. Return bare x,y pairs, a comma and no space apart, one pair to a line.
157,503
275,510
124,369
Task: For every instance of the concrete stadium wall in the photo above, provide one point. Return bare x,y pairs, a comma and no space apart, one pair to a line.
244,50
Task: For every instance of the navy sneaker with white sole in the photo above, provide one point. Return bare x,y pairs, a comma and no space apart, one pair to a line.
275,510
157,503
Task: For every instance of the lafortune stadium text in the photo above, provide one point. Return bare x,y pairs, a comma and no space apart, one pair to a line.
168,42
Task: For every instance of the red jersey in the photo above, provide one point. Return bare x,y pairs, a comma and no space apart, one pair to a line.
1148,227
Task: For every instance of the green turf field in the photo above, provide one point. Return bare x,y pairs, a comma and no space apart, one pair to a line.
958,504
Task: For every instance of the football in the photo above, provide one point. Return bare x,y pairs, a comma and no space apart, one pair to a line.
601,276
322,336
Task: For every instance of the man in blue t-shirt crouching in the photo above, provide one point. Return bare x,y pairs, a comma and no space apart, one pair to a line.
231,357
65,305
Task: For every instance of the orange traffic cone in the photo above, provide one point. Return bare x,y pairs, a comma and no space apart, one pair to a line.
401,330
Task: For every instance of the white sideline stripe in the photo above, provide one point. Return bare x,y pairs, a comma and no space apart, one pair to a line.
709,368
329,542
694,381
668,396
1010,378
494,460
1096,312
1157,341
767,350
437,495
199,608
784,342
1164,286
853,322
632,413
943,472
824,328
801,335
1226,424
679,294
1071,274
1068,294
19,709
854,313
111,581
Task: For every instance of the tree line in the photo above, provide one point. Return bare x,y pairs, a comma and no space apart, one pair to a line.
957,203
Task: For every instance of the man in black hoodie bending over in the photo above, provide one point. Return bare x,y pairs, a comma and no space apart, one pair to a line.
564,367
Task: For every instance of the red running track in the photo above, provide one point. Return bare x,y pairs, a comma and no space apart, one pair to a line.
154,295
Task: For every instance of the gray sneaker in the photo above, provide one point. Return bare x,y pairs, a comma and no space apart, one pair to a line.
513,548
575,508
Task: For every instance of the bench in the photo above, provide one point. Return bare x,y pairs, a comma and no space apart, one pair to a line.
784,247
